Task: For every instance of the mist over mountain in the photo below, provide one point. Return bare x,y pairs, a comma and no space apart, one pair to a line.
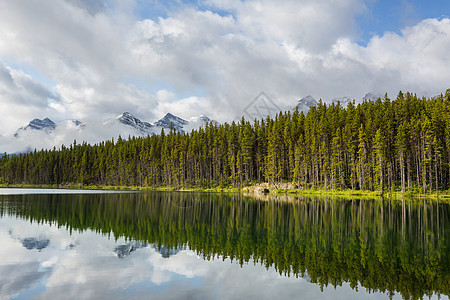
46,133
305,104
128,119
122,251
371,97
343,101
38,124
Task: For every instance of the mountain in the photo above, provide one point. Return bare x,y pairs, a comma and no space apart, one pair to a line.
202,119
178,124
46,125
197,122
35,243
46,134
128,119
38,124
168,119
123,251
305,104
344,101
371,97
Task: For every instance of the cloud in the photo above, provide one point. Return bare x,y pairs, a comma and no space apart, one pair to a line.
415,61
83,53
66,131
213,57
313,25
261,46
22,98
20,278
91,6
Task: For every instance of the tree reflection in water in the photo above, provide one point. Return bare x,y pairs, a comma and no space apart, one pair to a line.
386,246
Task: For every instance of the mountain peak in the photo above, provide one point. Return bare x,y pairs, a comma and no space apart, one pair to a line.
202,119
370,97
38,124
307,101
169,115
305,104
130,120
127,114
177,122
344,101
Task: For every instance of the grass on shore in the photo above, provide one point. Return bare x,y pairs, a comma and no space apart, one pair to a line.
348,193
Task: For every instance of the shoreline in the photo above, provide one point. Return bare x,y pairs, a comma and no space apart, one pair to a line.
259,190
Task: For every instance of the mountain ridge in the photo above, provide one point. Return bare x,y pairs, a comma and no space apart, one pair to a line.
46,133
171,121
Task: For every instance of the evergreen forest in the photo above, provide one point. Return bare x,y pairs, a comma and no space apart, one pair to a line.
383,145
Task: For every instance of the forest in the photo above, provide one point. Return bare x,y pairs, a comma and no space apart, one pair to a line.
383,145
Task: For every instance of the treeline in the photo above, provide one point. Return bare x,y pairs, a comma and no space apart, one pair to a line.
383,246
401,144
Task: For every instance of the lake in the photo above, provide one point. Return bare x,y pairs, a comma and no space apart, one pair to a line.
57,244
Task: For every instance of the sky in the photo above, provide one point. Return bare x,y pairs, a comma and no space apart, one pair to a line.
93,59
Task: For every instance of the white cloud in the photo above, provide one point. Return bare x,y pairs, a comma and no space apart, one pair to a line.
165,96
22,98
185,108
416,60
195,60
313,25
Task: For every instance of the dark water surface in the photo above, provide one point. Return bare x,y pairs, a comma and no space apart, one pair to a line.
172,245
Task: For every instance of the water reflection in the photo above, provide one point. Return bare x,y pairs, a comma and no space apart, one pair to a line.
383,246
35,243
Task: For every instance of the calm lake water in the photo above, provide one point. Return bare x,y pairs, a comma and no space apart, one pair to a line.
172,245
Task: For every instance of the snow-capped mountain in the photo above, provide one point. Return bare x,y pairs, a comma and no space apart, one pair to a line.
46,134
38,124
197,122
35,243
305,104
371,97
46,125
128,119
344,101
168,120
122,251
202,119
177,123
